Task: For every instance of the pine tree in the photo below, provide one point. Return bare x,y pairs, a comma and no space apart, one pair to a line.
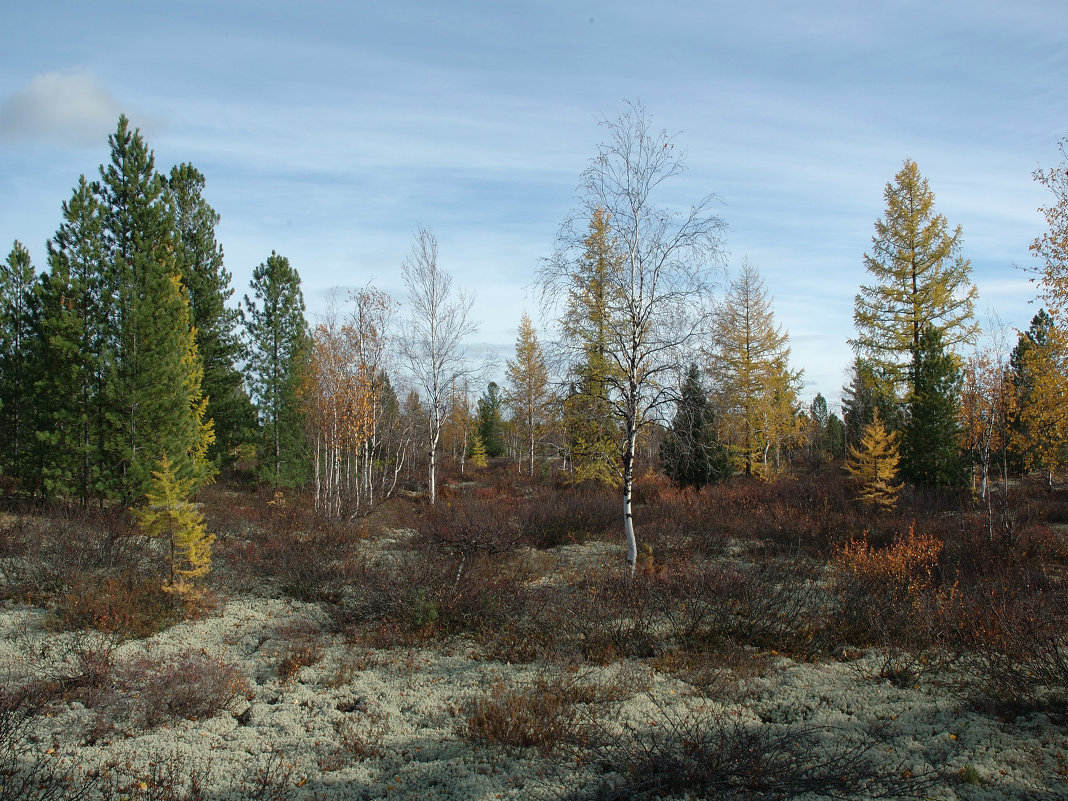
690,453
169,515
279,344
200,262
749,364
930,446
76,350
528,379
873,465
920,280
18,301
154,397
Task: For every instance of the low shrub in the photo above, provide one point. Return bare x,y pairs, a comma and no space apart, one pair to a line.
551,518
543,715
708,752
892,598
129,606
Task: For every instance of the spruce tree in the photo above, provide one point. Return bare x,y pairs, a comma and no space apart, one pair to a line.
690,453
200,264
930,447
489,421
154,397
18,303
278,340
76,350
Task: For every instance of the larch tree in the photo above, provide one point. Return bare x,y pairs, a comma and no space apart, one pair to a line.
592,441
205,278
18,282
1039,434
433,341
278,342
873,464
169,515
748,361
657,289
154,392
920,280
528,388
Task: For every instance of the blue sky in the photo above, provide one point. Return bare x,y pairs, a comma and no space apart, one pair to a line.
331,132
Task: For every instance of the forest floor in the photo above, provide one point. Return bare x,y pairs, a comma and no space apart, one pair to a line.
262,695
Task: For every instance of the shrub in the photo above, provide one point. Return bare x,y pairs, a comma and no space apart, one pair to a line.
128,606
564,516
890,597
707,752
190,686
542,716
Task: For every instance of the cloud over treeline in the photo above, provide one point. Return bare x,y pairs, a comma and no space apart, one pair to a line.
64,107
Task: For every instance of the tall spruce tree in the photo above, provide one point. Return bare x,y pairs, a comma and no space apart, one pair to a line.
278,340
18,282
690,452
920,280
155,404
76,350
200,263
490,422
930,446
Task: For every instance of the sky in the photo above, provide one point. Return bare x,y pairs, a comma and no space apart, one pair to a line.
332,132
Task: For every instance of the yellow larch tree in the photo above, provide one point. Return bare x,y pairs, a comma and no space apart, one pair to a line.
168,514
873,465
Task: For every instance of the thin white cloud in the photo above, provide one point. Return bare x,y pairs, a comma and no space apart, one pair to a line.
68,108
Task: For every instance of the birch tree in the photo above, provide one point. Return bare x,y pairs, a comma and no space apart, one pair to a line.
657,295
433,343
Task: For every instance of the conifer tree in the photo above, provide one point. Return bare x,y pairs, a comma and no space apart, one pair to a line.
18,287
749,365
1039,424
169,515
920,280
528,379
931,438
870,391
490,424
477,457
593,446
200,263
278,352
155,401
77,350
690,452
873,465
